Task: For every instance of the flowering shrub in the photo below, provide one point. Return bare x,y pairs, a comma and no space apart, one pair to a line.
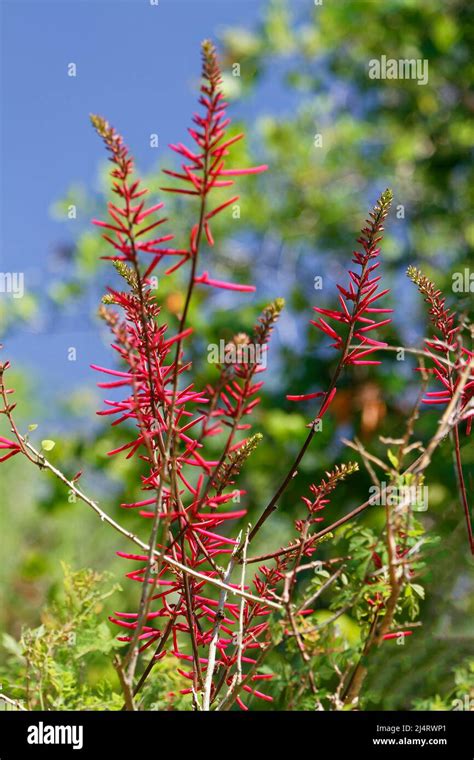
205,603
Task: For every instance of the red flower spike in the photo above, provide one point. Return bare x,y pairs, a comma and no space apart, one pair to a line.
204,168
363,291
451,366
163,408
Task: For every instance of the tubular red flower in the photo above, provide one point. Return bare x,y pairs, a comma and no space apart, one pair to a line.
396,635
206,280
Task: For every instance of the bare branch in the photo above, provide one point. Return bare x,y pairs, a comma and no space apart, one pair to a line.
43,463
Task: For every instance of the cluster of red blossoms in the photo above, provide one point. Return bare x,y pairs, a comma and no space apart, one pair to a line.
453,367
445,346
186,492
356,317
357,300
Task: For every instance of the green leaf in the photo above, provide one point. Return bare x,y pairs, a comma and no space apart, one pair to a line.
12,646
418,590
393,459
47,445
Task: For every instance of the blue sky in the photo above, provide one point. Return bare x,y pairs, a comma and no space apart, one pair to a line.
137,64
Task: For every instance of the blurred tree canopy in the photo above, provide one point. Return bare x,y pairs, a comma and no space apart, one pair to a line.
335,139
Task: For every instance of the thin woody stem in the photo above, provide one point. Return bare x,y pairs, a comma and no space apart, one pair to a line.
211,660
42,463
446,424
311,539
462,486
15,703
